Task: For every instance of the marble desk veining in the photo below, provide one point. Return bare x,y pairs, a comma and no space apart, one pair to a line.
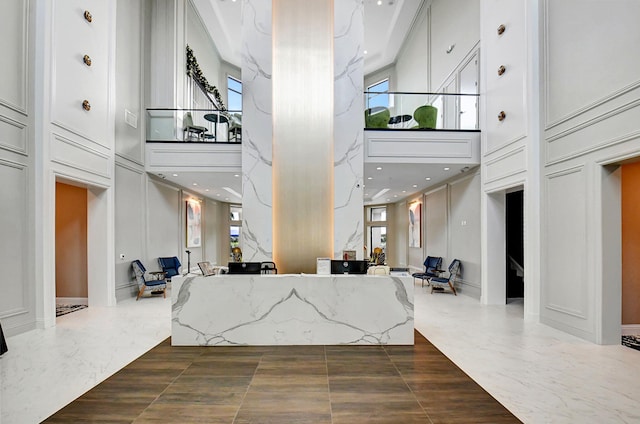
291,310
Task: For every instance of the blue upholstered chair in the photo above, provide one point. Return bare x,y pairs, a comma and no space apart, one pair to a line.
171,266
431,267
454,270
146,281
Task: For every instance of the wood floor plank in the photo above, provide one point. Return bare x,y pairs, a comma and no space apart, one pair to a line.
288,385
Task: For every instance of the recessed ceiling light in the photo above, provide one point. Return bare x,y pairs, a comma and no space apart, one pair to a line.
415,186
379,168
195,184
388,200
379,2
226,198
395,195
428,178
446,169
404,191
175,175
365,52
217,194
236,175
206,189
369,178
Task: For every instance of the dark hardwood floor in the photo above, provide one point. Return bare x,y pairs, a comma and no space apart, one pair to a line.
288,384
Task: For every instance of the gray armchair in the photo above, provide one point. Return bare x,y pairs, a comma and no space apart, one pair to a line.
146,282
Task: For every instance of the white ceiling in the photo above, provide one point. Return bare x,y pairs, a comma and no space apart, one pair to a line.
386,26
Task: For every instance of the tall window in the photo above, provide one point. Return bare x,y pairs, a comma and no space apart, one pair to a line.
378,94
377,226
235,227
234,94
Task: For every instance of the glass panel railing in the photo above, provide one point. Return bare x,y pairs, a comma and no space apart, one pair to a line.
421,111
194,125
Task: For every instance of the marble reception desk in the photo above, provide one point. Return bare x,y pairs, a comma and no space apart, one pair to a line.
291,310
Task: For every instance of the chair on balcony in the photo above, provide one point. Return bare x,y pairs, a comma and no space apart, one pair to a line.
376,117
148,281
190,130
235,128
431,267
438,283
426,116
171,266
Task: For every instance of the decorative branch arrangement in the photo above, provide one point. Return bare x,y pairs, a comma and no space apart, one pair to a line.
194,71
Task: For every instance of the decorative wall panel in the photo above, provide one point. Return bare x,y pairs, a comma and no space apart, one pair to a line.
13,135
582,80
566,284
130,224
506,92
14,29
506,165
14,217
75,155
73,80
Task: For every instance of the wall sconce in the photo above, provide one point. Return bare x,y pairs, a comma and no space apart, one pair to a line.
450,48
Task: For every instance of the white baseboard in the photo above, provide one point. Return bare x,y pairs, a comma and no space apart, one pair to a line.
630,329
72,301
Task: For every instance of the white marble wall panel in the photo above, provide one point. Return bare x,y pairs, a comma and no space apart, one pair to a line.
348,127
291,310
256,131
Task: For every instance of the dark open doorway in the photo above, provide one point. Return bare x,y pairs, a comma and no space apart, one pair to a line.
514,244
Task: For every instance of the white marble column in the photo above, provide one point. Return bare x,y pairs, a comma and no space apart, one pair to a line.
348,232
348,127
257,233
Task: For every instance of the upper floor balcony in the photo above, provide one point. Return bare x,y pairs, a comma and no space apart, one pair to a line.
425,128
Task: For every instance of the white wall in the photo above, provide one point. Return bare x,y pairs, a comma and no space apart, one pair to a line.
451,22
451,219
203,48
413,59
510,148
129,86
590,118
17,303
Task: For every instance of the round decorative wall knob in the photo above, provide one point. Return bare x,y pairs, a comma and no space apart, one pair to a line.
501,70
87,60
86,105
501,29
502,116
87,16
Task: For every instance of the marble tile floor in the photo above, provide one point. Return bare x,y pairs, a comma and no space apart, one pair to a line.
540,374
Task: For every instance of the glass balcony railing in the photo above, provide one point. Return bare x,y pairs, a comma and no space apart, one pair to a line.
194,126
420,111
